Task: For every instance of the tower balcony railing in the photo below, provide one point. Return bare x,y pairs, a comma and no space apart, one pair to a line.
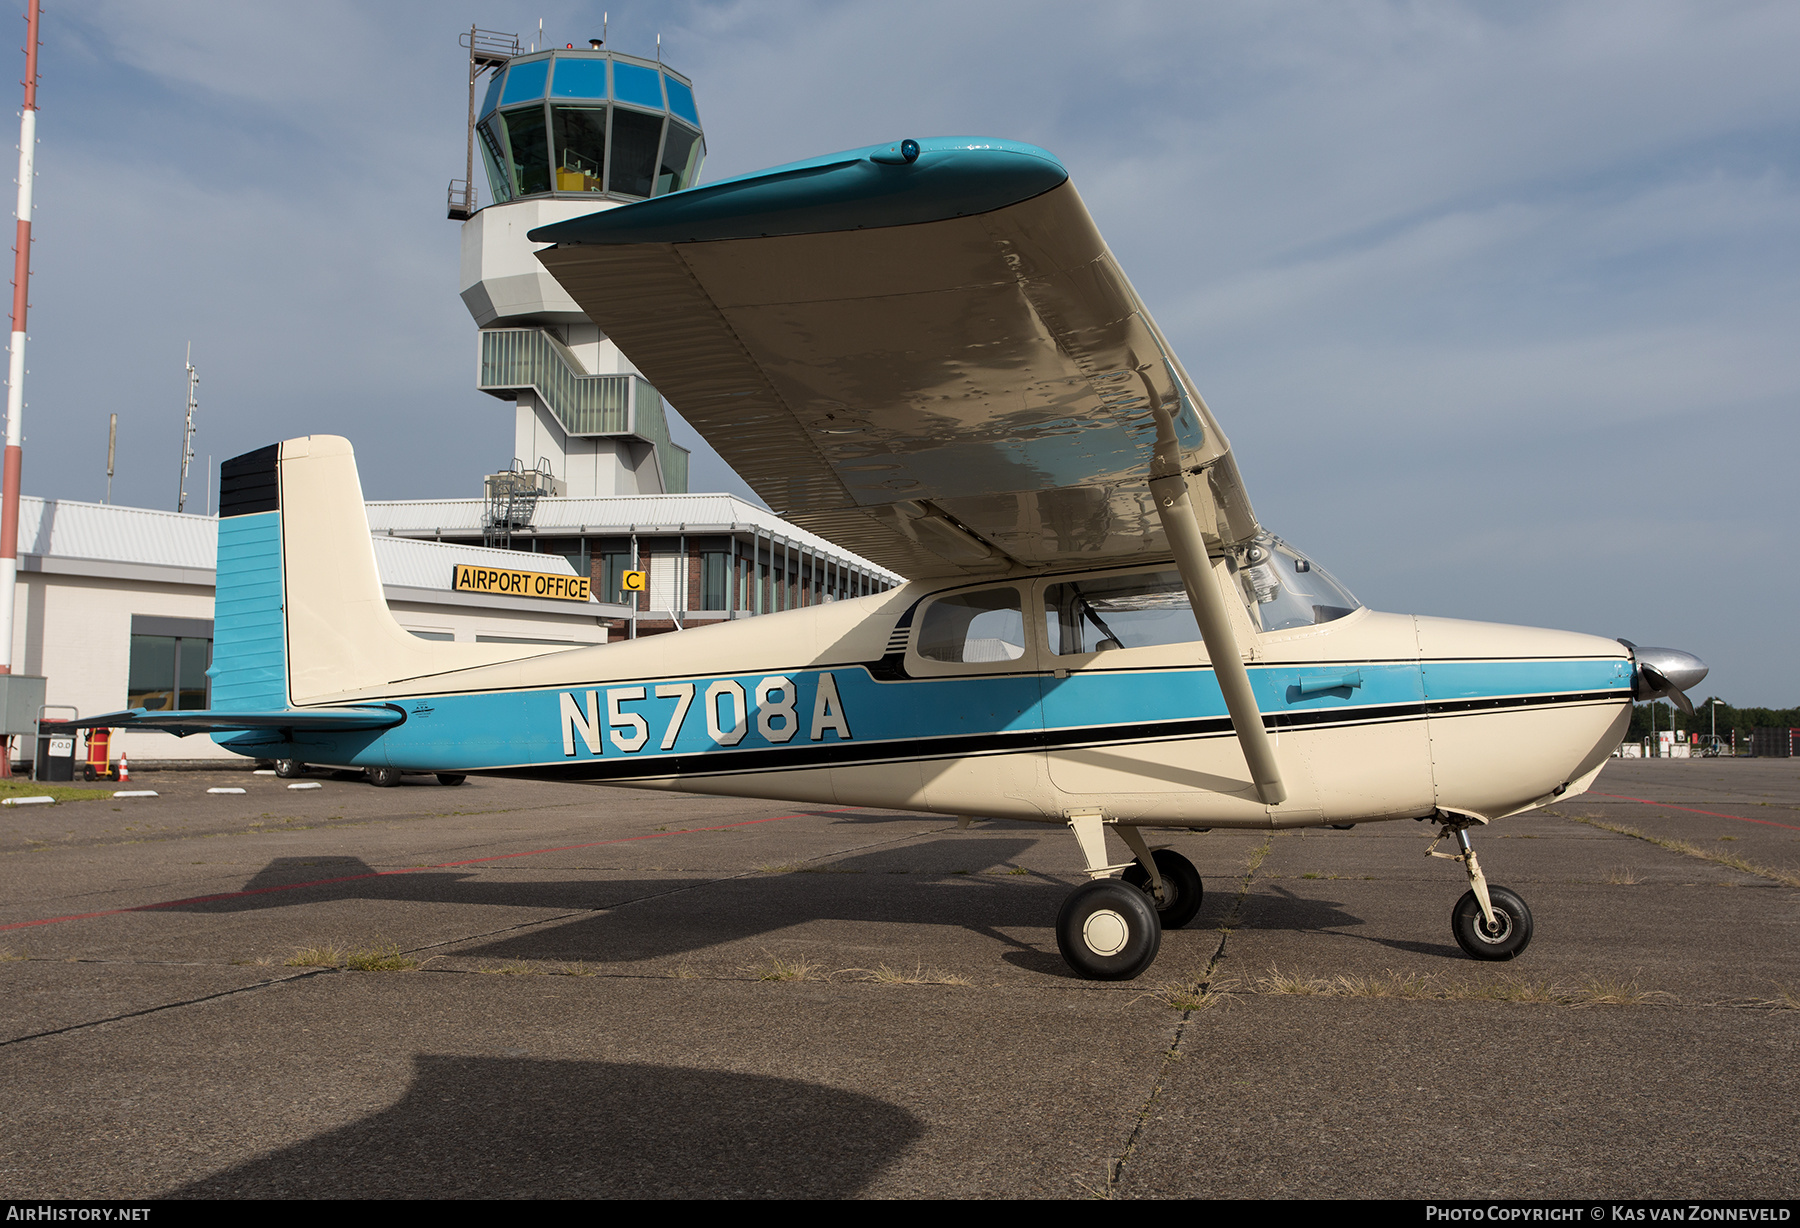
519,359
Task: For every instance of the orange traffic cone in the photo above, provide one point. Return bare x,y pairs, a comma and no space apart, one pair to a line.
124,767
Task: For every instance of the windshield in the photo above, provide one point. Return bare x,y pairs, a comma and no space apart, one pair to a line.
1284,589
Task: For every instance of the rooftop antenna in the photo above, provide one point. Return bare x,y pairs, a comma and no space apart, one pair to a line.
15,391
659,46
603,17
187,436
540,37
112,440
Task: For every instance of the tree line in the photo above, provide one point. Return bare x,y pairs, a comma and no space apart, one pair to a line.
1730,719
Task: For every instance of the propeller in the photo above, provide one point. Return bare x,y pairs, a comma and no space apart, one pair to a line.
1661,673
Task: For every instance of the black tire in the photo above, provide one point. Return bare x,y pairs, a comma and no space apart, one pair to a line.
287,769
87,773
1108,930
1513,925
384,777
1181,881
451,778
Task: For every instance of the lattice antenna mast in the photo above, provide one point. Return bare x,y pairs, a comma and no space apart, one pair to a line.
187,435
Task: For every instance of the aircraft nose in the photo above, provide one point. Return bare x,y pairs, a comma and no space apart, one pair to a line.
1665,672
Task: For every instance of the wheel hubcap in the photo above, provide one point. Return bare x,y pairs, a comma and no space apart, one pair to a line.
1105,932
1496,933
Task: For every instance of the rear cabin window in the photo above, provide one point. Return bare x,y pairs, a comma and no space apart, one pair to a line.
1106,612
968,628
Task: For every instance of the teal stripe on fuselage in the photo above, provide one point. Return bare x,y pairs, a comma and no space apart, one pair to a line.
1450,680
249,669
469,732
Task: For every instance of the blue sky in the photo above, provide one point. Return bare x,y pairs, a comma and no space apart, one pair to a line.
1497,303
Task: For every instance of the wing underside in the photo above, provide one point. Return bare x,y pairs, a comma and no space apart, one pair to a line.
206,720
936,364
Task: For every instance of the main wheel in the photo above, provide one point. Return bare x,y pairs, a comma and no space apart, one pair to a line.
384,777
451,778
1509,935
1181,883
1108,930
287,769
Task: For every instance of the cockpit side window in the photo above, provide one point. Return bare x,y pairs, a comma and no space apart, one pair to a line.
1131,611
967,628
1285,589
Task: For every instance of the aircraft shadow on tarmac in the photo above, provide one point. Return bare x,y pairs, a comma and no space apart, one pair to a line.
1277,908
519,1127
634,918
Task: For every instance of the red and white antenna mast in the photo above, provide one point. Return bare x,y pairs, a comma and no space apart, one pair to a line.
15,383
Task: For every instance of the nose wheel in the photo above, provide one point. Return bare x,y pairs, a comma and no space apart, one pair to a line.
1503,937
1489,923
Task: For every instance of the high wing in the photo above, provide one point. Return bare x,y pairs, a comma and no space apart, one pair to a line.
923,352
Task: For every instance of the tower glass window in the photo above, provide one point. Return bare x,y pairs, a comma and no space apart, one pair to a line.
680,159
638,85
525,81
580,134
635,140
579,78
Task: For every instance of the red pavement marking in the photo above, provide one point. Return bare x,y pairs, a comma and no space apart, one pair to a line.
1620,797
351,878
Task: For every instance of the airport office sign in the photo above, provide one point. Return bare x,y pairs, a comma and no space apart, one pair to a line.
472,579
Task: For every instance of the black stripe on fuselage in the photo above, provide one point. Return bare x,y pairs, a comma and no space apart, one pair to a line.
962,746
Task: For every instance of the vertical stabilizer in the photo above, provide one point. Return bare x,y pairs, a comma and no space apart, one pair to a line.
300,617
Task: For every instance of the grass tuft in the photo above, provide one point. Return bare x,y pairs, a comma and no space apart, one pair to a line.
1389,984
775,968
1623,876
1596,991
1512,987
1614,991
380,959
512,970
8,955
317,957
1195,995
1277,981
920,975
577,969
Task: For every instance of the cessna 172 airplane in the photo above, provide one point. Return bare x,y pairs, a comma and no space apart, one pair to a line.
926,353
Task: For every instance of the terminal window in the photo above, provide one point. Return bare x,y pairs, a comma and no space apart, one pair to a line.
168,672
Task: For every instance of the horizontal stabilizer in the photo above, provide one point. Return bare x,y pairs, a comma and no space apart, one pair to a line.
181,724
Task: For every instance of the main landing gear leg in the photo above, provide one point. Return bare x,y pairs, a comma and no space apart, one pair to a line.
1108,930
1490,923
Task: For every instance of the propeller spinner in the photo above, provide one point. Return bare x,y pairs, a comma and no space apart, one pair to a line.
1664,672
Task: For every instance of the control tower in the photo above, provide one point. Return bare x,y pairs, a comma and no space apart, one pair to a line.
563,133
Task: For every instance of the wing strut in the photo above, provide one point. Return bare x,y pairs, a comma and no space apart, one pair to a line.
1183,532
